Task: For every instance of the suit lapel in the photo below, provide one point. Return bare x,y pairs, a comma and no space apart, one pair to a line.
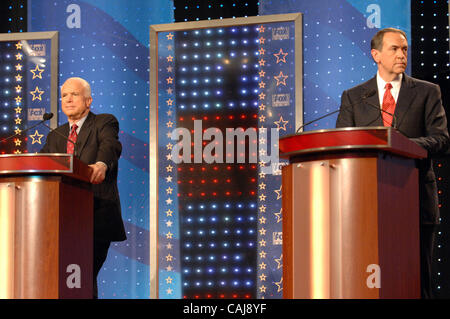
85,131
372,104
405,98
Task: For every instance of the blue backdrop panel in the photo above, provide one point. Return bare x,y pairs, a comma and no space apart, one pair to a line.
336,41
336,57
107,43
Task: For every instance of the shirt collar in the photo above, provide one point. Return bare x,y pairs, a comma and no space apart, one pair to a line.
79,123
396,83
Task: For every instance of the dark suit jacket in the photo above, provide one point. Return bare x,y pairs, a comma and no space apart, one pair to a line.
419,115
97,141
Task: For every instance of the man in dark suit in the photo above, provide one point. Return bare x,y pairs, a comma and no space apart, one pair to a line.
414,108
97,144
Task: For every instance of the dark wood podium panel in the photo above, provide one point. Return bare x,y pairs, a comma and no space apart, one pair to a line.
47,225
351,224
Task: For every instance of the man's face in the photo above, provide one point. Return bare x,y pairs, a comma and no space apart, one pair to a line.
74,103
392,58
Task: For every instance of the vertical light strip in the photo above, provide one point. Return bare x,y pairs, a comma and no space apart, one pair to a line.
153,166
7,208
319,233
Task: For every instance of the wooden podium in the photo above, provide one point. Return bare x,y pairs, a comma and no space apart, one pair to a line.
46,227
350,214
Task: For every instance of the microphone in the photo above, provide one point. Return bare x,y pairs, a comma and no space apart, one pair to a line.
335,111
317,119
369,94
363,98
63,136
45,117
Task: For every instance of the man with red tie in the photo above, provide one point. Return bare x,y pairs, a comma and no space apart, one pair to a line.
414,107
94,140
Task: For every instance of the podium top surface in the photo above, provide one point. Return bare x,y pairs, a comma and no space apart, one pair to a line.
352,139
40,163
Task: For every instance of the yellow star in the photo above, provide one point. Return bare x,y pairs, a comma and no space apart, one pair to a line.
261,29
281,56
279,192
18,89
17,131
169,257
19,67
281,124
279,285
19,45
279,261
19,56
169,36
169,58
169,280
169,212
281,78
262,243
37,94
18,99
17,142
18,110
36,137
279,215
18,78
17,152
35,72
18,121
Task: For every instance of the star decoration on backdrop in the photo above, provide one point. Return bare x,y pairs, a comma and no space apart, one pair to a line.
36,137
281,56
281,79
281,124
37,94
37,73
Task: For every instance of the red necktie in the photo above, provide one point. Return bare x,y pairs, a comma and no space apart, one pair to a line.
388,105
73,137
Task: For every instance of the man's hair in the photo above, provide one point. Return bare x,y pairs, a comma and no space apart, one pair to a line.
377,40
84,83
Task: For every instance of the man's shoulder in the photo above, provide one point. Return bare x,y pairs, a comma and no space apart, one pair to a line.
362,88
103,117
421,84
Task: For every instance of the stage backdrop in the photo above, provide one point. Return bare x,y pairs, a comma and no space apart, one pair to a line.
108,44
336,41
